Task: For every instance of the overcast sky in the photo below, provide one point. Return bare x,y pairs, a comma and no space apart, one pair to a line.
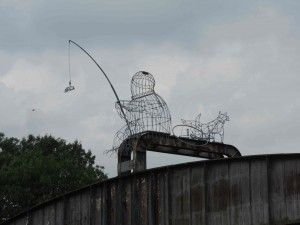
240,57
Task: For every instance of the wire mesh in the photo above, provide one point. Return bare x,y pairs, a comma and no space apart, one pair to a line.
146,111
206,131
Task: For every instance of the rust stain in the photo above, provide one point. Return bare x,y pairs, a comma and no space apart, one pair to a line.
235,193
292,184
220,195
98,204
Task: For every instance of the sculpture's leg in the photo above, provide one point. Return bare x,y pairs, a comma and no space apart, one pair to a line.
140,159
124,160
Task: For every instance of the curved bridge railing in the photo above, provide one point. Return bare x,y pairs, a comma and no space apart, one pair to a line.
245,190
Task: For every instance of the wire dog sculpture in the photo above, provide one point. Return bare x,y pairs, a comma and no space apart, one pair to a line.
206,131
146,111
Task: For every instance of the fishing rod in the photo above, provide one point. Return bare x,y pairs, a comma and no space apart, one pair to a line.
70,88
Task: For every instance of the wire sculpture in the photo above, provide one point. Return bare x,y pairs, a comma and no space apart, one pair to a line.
205,131
146,111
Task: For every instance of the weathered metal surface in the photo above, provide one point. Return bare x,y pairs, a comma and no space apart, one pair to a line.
49,214
254,190
59,211
239,193
20,221
160,142
125,166
165,143
259,191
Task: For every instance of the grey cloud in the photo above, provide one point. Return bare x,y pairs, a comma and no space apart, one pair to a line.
49,24
262,100
205,57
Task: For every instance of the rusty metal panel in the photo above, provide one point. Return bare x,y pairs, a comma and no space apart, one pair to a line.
242,191
21,221
245,194
239,193
59,212
259,192
128,201
78,213
218,194
85,208
157,197
97,205
163,198
92,205
198,195
167,197
123,212
105,203
151,199
160,199
181,204
112,204
49,214
119,201
100,205
277,190
125,166
70,210
292,187
37,217
139,200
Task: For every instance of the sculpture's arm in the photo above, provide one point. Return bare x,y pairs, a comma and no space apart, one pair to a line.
125,104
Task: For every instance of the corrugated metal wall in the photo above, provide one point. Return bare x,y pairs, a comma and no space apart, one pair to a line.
238,191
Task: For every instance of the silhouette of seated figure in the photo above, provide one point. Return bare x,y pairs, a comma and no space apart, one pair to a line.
146,111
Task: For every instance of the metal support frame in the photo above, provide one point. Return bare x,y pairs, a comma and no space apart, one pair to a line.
135,161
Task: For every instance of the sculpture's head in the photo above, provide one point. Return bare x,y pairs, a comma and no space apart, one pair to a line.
142,83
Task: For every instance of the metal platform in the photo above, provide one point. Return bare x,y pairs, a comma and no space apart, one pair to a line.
132,152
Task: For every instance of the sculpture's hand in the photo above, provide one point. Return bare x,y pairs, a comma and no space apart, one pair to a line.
124,104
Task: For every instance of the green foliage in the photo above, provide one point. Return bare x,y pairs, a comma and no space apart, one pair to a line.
36,169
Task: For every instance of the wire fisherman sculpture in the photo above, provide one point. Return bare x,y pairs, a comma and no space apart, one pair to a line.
146,111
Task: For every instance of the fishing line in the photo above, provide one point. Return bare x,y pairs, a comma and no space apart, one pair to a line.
70,61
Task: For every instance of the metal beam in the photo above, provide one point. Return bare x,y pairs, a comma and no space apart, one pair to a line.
165,143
